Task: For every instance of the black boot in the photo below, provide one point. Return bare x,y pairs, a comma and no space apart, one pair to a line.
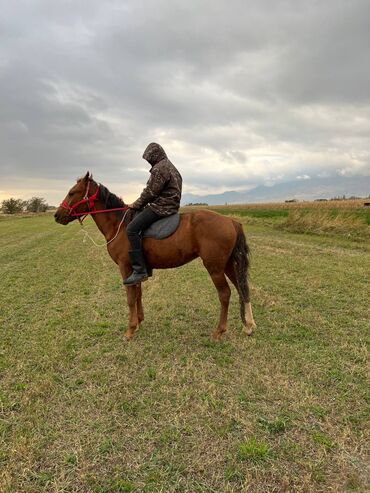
139,273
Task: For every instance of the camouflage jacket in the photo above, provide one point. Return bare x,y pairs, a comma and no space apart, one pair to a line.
163,190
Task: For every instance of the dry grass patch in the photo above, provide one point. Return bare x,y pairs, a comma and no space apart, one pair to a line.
268,214
323,221
305,204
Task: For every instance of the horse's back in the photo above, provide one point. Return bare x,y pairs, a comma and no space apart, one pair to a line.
204,220
209,227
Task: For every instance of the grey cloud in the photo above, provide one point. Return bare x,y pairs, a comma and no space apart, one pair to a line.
271,89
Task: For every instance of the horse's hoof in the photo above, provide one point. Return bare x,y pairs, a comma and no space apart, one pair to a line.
216,336
249,328
127,336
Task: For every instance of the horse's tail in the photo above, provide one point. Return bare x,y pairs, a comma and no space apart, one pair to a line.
240,261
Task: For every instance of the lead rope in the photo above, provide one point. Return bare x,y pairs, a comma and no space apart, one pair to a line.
87,235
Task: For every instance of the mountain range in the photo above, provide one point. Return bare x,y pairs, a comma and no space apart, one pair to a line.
304,189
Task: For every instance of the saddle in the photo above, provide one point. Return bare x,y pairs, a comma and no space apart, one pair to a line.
163,228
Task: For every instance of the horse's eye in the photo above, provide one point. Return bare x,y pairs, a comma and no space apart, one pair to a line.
71,194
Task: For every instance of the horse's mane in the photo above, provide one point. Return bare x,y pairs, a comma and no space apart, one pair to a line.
111,201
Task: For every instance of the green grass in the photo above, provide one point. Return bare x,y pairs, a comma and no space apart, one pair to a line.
253,451
173,411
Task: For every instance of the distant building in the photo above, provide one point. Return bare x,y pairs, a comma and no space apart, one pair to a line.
195,203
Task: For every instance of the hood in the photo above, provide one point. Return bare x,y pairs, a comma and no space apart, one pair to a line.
154,153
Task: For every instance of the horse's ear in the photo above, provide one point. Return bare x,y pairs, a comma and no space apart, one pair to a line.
87,176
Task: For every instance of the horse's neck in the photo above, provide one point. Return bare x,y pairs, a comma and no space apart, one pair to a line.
107,222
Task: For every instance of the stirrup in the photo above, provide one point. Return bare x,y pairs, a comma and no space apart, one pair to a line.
135,278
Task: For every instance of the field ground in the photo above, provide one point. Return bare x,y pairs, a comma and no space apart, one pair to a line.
83,411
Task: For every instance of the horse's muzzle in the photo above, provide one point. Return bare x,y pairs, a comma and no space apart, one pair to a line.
61,218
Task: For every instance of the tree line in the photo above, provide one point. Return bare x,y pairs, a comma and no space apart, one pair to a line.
14,206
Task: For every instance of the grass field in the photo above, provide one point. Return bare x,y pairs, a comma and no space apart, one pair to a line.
171,411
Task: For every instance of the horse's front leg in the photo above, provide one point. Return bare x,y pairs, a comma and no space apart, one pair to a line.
139,304
133,312
135,308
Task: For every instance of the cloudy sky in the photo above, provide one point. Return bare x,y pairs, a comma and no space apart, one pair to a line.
239,92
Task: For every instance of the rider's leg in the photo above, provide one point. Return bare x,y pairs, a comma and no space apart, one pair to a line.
140,222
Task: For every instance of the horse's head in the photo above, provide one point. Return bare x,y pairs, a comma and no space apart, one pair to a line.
77,200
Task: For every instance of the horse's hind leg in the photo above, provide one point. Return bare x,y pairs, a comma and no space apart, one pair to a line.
224,292
249,322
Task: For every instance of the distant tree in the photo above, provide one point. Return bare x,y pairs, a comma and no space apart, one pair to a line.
36,204
12,206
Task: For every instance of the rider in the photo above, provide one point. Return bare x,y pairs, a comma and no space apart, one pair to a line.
160,198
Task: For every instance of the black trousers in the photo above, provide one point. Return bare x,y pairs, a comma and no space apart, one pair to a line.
140,223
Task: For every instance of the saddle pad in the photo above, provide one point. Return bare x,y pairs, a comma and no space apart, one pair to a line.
163,227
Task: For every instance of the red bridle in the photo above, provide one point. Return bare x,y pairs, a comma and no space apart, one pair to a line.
90,201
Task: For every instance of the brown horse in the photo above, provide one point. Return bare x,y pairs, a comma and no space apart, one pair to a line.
218,240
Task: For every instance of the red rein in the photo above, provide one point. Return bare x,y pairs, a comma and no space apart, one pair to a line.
90,201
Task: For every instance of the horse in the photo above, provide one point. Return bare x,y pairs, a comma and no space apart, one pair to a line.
218,240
